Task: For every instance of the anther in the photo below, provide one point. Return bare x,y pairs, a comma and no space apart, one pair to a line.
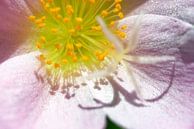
69,9
65,20
104,13
41,58
92,1
121,15
79,19
54,30
58,46
32,18
48,62
43,39
56,65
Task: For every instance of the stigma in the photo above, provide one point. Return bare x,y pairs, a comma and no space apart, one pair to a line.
72,43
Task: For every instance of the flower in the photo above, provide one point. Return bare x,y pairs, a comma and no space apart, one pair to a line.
165,99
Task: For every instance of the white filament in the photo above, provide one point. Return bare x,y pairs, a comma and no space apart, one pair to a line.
148,59
111,37
131,45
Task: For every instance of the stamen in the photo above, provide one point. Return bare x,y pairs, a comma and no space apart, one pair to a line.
72,42
113,39
149,59
133,39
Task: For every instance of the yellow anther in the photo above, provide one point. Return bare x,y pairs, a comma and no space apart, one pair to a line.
104,54
43,18
39,21
92,1
69,9
112,46
112,23
122,35
96,28
65,61
59,16
78,27
101,55
97,53
79,19
124,27
74,59
70,53
48,62
70,47
115,10
85,58
41,25
52,10
41,58
55,10
58,46
42,2
118,1
43,39
104,13
32,18
56,65
38,45
118,6
121,15
72,31
54,30
46,6
106,43
78,45
65,20
50,1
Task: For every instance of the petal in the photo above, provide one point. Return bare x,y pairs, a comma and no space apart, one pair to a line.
167,87
20,91
26,104
182,9
60,113
187,14
14,26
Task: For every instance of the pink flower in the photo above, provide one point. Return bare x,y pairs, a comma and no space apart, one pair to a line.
164,74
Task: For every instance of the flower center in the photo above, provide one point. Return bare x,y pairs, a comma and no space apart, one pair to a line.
71,41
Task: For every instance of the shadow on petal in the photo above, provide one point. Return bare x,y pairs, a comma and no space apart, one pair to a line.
167,89
115,101
130,97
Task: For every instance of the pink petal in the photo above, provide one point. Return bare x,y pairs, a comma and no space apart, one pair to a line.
14,26
61,113
26,103
20,91
182,9
167,88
